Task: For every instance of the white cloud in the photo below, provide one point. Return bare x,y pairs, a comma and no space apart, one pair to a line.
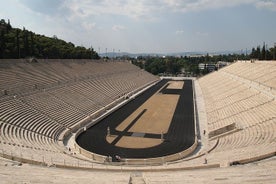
199,33
198,5
118,27
142,9
88,26
268,4
48,8
130,8
149,10
179,32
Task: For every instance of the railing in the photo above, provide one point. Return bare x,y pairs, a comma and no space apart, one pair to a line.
80,164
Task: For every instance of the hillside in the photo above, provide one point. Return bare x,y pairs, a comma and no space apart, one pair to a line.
18,43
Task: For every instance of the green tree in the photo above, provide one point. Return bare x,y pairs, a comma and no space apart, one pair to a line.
273,51
17,43
263,53
8,27
2,44
258,53
32,44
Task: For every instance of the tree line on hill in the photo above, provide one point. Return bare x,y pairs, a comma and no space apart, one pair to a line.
18,43
189,65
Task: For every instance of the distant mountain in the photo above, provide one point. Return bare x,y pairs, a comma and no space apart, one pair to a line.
176,54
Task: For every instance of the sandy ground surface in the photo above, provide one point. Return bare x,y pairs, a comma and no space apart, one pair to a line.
153,117
175,85
137,142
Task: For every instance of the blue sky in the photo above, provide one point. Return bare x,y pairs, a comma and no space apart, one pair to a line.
160,26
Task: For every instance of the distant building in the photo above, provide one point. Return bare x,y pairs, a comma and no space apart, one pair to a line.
209,67
212,67
201,66
221,64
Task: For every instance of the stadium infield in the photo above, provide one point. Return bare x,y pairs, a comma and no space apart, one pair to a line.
165,110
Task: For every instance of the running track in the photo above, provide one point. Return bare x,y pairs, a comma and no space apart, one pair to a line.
180,136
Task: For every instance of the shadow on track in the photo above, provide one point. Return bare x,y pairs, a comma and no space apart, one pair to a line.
180,136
